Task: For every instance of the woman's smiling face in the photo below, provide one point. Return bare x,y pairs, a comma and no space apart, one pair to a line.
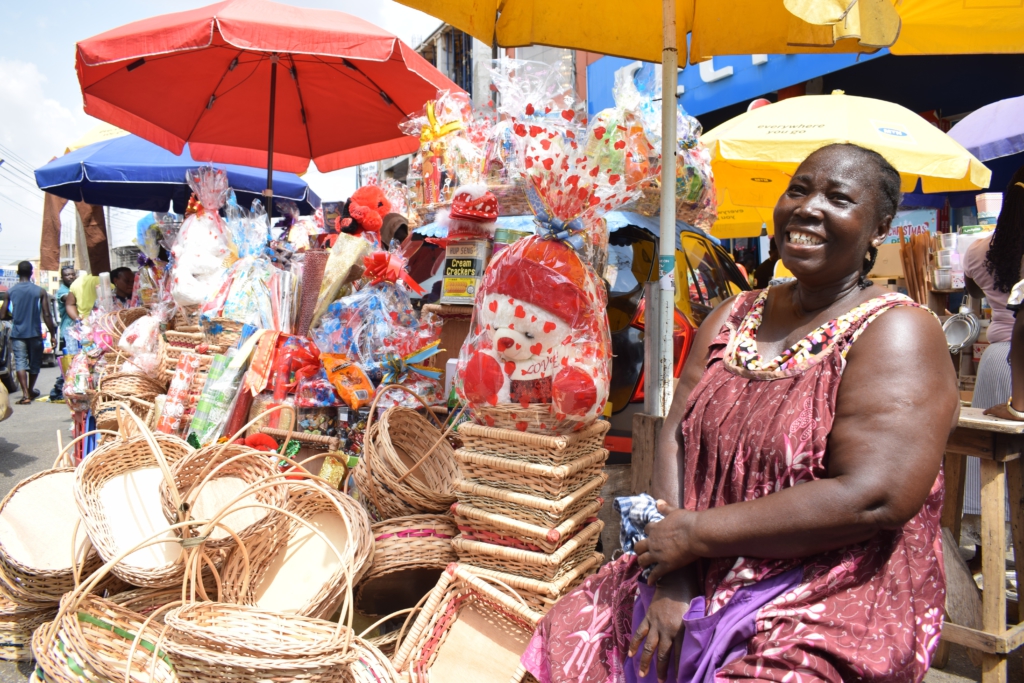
829,215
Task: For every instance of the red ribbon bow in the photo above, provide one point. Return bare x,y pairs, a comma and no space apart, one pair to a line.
382,266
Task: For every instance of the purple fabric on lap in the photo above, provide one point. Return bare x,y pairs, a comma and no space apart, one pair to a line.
710,642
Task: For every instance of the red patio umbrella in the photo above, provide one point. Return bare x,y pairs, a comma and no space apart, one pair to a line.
252,82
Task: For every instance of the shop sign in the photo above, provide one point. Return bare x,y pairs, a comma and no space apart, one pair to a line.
913,222
721,81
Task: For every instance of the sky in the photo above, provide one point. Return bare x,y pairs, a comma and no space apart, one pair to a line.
41,103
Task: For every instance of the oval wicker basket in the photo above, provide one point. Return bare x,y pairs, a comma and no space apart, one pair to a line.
35,584
103,465
202,468
409,554
387,483
216,642
99,635
268,553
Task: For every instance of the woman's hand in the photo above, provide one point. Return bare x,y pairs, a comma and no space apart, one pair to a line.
1002,412
662,627
669,542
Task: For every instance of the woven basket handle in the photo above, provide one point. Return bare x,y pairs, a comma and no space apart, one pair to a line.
63,455
158,453
391,387
498,583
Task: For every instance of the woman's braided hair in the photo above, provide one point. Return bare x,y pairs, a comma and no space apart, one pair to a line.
888,197
1006,248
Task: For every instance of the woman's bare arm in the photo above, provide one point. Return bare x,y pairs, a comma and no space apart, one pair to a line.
896,406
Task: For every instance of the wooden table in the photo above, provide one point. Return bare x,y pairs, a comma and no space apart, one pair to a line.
999,444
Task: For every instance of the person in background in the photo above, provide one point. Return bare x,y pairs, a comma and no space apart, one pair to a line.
1013,409
26,302
763,273
64,342
123,280
81,296
992,265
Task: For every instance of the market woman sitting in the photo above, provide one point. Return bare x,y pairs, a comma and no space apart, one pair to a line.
798,473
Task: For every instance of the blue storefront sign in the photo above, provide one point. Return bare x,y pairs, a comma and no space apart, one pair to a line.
722,81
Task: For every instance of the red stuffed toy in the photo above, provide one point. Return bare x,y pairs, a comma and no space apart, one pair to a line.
364,211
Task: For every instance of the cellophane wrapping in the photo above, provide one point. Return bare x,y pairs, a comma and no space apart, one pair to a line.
202,248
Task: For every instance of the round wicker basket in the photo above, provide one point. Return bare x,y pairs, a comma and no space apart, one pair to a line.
16,627
39,516
387,482
116,463
409,554
213,476
276,558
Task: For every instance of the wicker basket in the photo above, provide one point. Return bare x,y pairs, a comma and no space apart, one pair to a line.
537,418
187,341
16,627
373,664
186,316
103,465
493,631
542,595
204,467
52,662
536,448
215,642
35,584
391,448
100,636
310,500
546,481
409,554
146,601
540,566
526,508
222,332
478,525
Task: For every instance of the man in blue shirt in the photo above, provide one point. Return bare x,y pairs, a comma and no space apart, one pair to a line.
26,303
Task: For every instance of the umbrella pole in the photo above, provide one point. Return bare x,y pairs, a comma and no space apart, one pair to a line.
268,194
663,382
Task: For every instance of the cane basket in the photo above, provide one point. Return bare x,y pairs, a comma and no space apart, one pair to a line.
532,565
542,595
536,448
16,627
545,481
487,527
391,448
275,558
409,554
526,508
117,464
468,630
222,332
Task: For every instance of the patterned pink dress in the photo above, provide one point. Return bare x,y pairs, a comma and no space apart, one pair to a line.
870,611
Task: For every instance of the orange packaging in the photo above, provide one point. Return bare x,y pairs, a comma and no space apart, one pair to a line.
349,380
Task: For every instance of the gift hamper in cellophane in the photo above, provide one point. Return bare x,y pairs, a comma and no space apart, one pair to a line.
537,358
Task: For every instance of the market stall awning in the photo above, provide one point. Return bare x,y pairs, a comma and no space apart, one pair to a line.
131,173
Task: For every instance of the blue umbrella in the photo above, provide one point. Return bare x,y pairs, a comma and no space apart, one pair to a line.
131,173
996,130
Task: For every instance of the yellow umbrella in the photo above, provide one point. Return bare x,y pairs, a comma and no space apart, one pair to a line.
719,28
100,133
735,221
754,154
920,27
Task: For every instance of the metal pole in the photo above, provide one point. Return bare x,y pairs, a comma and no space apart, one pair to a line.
667,240
268,193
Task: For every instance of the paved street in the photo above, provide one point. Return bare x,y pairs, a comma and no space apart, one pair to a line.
28,443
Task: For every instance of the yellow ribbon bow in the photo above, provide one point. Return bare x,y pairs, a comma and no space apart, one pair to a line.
434,130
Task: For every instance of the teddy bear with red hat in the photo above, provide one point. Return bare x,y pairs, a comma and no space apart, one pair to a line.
540,336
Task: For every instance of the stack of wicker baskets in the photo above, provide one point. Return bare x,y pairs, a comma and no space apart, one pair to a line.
527,510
